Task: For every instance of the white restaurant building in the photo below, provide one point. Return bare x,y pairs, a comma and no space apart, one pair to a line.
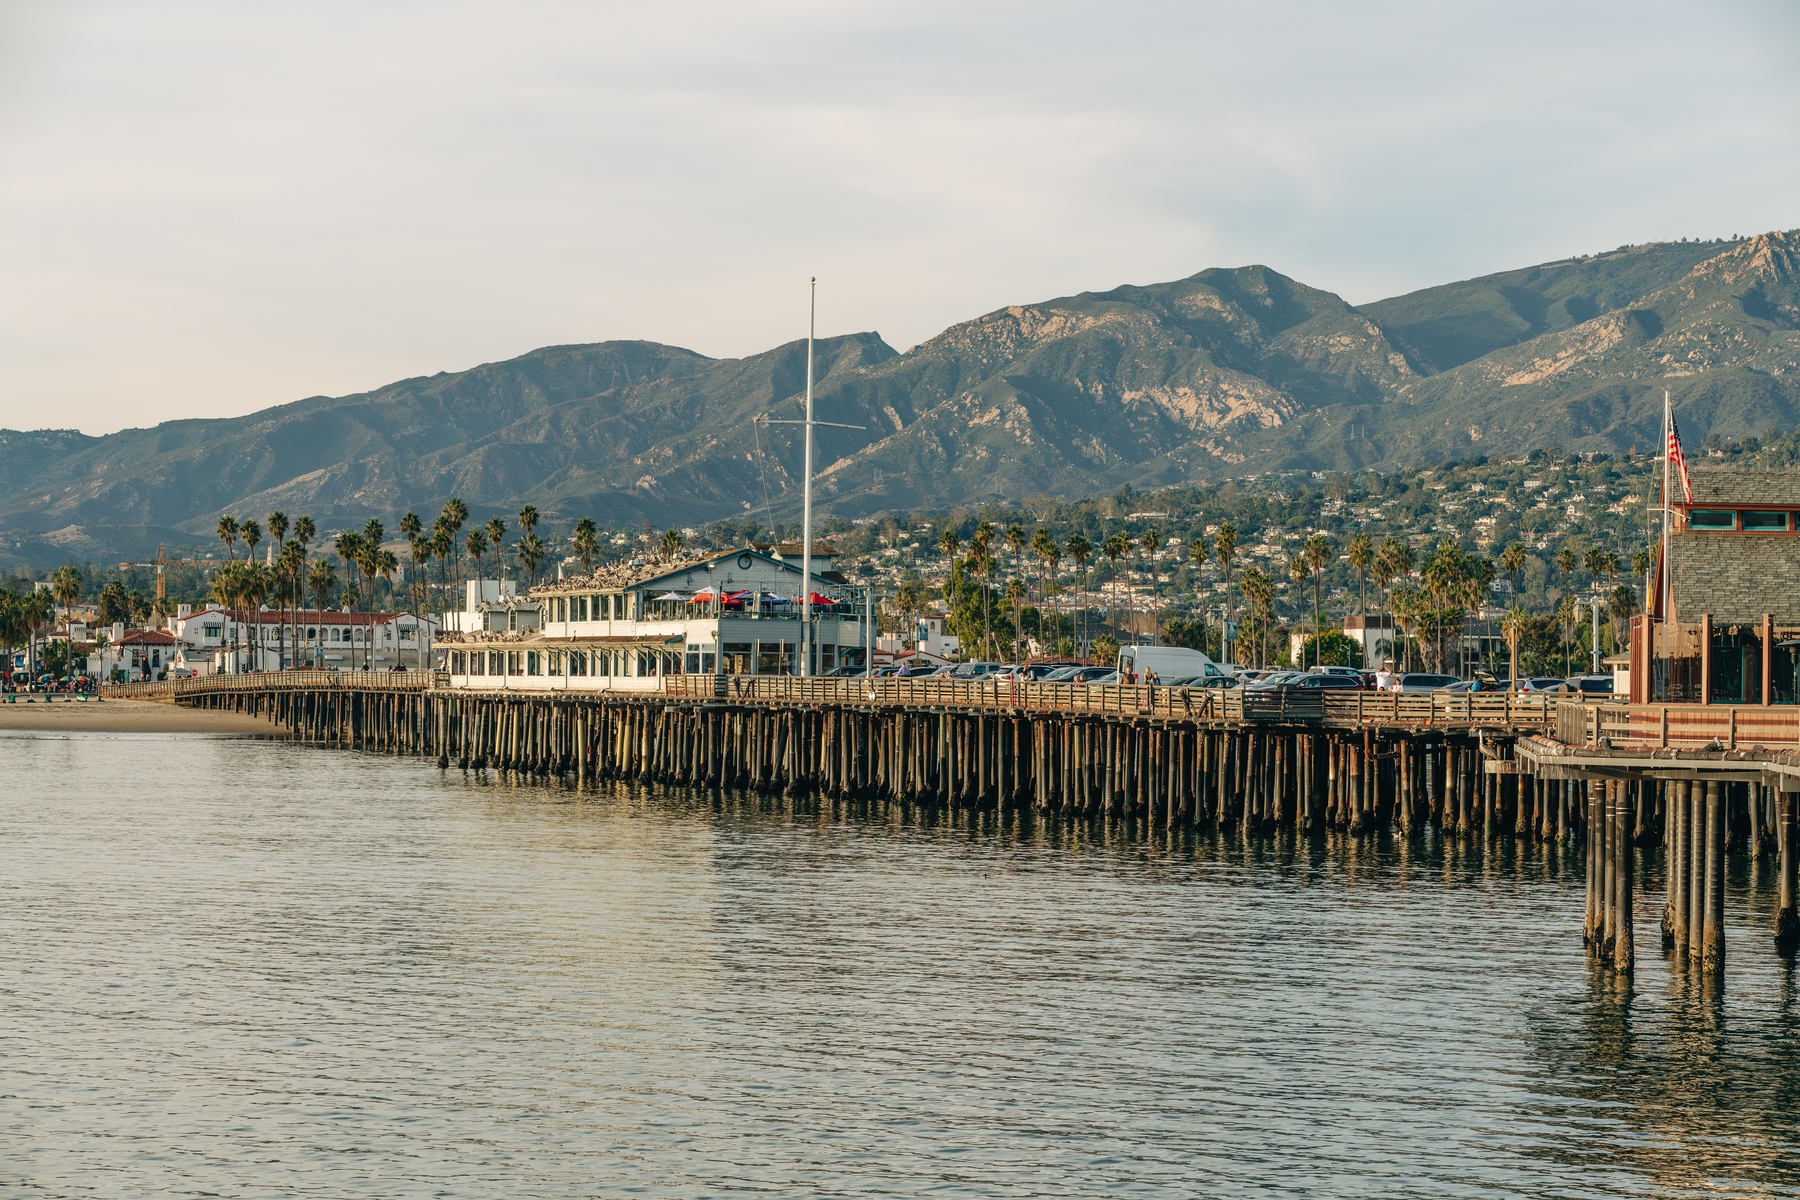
625,627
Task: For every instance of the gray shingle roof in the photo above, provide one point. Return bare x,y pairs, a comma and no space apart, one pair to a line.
1723,486
1736,577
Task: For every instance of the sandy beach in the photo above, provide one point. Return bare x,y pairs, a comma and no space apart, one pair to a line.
124,716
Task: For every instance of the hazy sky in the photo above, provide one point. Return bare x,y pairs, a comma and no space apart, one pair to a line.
208,207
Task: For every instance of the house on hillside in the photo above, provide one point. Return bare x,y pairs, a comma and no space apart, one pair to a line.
625,627
1723,625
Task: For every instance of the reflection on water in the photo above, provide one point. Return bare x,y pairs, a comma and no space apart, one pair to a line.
257,969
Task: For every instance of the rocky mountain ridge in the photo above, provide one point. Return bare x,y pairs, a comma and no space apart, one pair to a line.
1224,373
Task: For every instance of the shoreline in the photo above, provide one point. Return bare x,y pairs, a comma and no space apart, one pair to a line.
126,716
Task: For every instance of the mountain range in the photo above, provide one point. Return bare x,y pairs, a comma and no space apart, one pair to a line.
1228,372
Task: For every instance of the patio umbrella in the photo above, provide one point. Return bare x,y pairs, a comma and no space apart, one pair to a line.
672,596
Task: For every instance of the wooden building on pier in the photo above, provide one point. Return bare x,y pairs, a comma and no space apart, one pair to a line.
1723,625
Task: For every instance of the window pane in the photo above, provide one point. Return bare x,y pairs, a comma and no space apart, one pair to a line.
1766,520
1712,518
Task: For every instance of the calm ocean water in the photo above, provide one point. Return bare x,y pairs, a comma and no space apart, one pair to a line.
237,968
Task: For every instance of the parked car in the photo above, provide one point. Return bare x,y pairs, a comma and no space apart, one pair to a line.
1038,671
974,670
1320,681
918,671
1273,679
1594,685
1094,675
1545,683
1138,663
1351,672
1202,681
1422,681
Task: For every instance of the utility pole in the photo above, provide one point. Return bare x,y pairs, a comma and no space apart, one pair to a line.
812,309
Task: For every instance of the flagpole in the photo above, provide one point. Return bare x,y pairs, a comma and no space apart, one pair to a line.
1668,439
812,312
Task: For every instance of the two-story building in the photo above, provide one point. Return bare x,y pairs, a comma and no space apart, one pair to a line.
626,626
230,640
1723,625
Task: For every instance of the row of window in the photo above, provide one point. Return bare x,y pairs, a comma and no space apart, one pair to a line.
1746,520
608,607
738,658
273,633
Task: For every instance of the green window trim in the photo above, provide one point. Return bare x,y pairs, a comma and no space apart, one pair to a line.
1712,518
1764,521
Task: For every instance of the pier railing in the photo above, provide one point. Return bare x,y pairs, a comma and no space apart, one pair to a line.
266,681
1449,709
1680,726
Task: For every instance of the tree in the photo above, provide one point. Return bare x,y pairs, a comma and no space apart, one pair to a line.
1334,648
949,544
1259,592
1566,562
250,533
1016,542
1105,650
528,518
454,516
1512,627
1080,550
1297,570
496,540
65,585
908,600
1318,554
585,543
672,542
1512,561
1016,596
322,580
982,560
1225,540
228,531
530,552
1362,557
477,546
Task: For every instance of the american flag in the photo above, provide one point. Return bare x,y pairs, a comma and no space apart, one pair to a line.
1679,460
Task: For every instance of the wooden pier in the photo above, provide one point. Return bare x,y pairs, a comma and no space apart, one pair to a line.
1699,782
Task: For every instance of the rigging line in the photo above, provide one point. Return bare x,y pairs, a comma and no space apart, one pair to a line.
768,508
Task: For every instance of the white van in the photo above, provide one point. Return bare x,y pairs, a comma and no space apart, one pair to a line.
1167,662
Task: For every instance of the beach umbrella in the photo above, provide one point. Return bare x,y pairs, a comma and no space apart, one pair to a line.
672,596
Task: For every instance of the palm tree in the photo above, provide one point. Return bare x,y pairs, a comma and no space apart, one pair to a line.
530,552
226,589
1566,562
410,525
1016,542
908,600
476,544
1080,551
586,542
385,565
1318,553
981,558
1298,569
671,543
322,579
1512,626
1225,547
454,517
421,547
1260,592
1015,595
65,585
250,533
496,539
949,543
228,531
1512,561
1362,557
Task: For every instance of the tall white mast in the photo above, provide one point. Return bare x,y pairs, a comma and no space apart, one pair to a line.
812,309
812,313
